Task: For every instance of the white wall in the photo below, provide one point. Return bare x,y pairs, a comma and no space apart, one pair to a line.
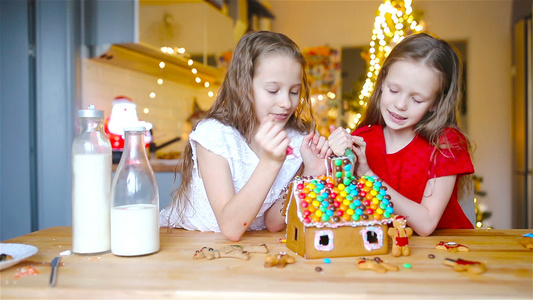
485,25
168,111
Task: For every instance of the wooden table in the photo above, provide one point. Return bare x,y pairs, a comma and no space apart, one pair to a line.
172,273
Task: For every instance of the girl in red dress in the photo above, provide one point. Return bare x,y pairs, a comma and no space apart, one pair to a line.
410,138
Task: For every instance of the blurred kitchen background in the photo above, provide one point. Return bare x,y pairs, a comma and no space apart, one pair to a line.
168,57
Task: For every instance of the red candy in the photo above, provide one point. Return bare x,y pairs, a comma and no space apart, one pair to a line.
289,150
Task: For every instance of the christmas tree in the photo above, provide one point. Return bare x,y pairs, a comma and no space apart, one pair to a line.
394,21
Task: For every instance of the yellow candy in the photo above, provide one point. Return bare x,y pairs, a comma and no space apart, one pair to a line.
318,213
311,186
373,192
375,200
316,203
341,186
343,194
350,211
312,195
346,202
379,211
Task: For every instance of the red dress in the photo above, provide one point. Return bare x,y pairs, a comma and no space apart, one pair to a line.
408,170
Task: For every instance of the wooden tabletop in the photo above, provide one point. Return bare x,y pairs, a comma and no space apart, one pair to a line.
172,272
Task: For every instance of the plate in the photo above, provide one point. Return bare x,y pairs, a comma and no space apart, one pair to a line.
18,251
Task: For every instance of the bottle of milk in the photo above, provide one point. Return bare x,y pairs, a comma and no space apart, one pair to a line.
91,184
135,199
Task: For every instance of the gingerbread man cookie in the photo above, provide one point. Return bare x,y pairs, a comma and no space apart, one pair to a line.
461,265
230,251
400,234
279,260
451,247
527,241
375,264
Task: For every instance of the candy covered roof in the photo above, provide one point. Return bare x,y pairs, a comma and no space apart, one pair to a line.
339,199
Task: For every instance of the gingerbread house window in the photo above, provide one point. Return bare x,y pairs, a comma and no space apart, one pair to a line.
324,240
372,237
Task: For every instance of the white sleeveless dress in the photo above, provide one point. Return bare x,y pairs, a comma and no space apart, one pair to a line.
227,142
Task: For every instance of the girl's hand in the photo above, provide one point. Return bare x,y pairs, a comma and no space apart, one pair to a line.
340,140
272,141
359,149
314,150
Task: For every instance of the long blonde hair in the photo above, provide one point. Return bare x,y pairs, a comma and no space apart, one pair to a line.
234,103
442,58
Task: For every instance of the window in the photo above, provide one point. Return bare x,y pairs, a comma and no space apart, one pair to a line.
324,240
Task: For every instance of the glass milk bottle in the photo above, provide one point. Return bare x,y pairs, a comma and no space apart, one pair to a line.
91,184
135,196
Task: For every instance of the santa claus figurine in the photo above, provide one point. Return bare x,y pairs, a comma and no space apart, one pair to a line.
123,114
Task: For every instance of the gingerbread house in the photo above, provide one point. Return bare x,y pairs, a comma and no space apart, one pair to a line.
337,215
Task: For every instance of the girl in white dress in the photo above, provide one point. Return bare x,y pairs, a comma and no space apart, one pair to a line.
250,144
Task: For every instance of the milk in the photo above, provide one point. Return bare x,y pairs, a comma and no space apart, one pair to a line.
91,203
134,229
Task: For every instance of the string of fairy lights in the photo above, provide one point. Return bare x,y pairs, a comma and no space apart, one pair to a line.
394,21
181,52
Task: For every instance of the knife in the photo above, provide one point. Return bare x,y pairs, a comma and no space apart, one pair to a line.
53,274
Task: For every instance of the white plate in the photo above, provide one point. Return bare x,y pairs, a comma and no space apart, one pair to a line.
18,251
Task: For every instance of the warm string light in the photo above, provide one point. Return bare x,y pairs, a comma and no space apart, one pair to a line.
394,21
321,97
181,52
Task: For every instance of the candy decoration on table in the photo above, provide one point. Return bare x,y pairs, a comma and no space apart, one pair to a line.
376,264
26,271
460,265
527,241
400,234
230,251
279,260
342,215
452,247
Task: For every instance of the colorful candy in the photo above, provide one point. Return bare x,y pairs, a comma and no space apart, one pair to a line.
340,197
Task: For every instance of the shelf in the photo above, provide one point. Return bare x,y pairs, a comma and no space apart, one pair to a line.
144,58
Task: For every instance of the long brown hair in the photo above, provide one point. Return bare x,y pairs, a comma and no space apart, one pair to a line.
441,57
234,103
